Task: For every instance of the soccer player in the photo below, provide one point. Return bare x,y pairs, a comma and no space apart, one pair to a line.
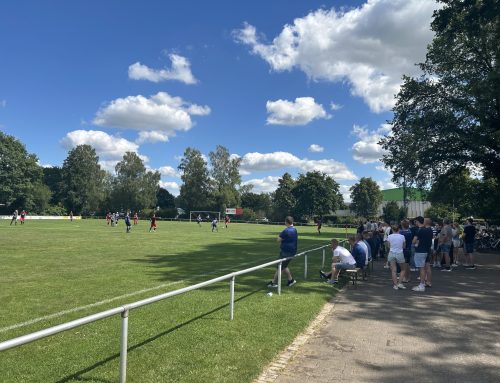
214,225
288,248
136,218
23,216
153,223
199,220
227,220
320,223
71,216
14,218
108,218
127,222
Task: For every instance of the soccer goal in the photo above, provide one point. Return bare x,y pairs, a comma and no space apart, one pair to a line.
204,214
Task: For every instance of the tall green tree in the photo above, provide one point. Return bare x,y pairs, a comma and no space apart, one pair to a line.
20,174
316,194
260,203
283,199
392,212
82,178
450,116
135,187
52,177
196,189
165,199
226,178
366,197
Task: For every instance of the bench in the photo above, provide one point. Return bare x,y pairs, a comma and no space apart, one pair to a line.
352,274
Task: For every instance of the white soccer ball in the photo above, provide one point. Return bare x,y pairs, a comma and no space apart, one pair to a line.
269,294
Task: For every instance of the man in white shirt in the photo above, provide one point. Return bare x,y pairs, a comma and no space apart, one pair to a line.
341,260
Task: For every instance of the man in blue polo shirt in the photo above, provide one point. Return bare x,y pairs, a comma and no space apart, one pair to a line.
288,248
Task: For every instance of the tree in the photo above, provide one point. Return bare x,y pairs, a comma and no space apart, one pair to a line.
52,177
316,194
195,192
393,213
164,199
450,116
226,177
82,178
19,174
135,187
283,198
366,197
260,203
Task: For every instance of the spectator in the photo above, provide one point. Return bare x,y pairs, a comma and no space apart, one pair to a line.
342,259
357,251
469,238
396,255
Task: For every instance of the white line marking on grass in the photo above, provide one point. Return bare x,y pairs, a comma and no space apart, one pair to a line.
80,308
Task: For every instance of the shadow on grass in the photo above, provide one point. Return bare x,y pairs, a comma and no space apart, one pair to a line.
77,375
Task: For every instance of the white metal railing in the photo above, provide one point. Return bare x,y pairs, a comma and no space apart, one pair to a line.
124,310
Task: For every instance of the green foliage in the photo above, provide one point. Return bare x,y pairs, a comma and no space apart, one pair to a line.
248,215
52,177
135,188
260,203
82,178
393,213
19,174
41,198
195,192
226,177
58,210
315,194
283,198
450,116
366,197
439,211
164,199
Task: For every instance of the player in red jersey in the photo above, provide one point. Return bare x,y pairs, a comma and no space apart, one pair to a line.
226,220
136,218
153,223
108,218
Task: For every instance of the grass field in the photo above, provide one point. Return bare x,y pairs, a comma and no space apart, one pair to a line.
55,271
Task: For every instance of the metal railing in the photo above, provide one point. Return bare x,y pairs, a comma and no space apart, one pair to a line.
125,309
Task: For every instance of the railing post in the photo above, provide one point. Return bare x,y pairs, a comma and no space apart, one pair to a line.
279,277
123,347
305,266
323,262
231,298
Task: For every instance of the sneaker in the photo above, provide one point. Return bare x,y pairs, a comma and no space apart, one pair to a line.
272,285
413,269
401,286
291,283
454,265
447,269
322,275
428,284
395,287
386,266
333,281
419,288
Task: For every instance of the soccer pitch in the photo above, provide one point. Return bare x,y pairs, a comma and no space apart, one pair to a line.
52,272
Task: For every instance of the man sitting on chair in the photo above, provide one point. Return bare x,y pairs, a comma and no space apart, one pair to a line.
341,260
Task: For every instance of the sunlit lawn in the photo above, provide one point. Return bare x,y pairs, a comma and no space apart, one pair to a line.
55,271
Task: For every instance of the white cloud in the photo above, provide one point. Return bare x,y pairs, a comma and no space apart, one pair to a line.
263,185
255,161
299,112
110,149
367,149
181,71
172,187
168,171
315,148
159,113
334,106
386,184
152,137
370,46
346,193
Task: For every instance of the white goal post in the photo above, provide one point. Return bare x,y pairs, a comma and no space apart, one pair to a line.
196,212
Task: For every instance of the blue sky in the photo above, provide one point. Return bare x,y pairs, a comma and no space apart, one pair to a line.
286,85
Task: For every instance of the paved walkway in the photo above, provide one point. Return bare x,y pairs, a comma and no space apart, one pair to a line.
450,333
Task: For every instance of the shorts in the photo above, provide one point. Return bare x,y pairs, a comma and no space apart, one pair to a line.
344,266
285,263
456,243
421,259
444,248
398,257
469,247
